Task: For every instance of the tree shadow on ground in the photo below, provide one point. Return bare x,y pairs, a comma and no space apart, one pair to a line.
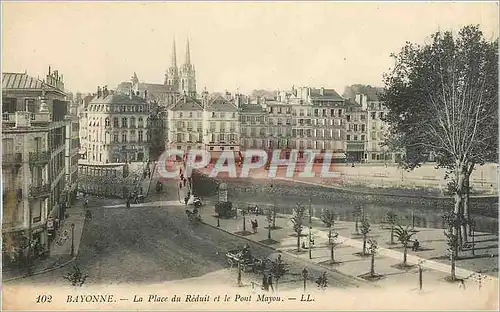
372,278
268,241
403,267
243,233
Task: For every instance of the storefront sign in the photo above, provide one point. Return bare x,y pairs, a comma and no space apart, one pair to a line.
223,192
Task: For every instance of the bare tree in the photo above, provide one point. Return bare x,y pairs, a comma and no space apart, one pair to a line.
392,219
365,229
328,218
299,213
373,248
357,213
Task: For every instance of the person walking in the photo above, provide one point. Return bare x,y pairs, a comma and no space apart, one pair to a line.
270,281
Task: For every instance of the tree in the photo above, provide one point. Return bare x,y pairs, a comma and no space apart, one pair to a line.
443,100
274,216
278,270
392,219
332,237
76,277
328,218
365,229
269,219
357,213
404,236
452,222
373,248
298,221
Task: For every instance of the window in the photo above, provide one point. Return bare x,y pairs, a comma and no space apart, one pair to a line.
212,126
372,115
363,137
124,137
140,123
115,122
232,137
140,134
234,115
124,122
221,137
373,156
348,117
363,117
190,114
362,128
213,114
106,122
132,122
381,115
355,127
179,137
348,137
355,138
180,114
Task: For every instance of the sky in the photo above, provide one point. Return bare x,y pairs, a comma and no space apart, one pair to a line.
234,46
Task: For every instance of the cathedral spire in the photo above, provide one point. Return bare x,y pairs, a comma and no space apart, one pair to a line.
174,56
188,53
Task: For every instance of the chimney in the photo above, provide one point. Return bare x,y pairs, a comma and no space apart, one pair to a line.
145,94
130,93
322,91
98,92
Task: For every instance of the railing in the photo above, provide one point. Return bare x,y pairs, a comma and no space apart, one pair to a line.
12,158
39,157
40,191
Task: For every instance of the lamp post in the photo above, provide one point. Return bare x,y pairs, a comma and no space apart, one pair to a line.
420,273
310,229
218,220
72,239
473,234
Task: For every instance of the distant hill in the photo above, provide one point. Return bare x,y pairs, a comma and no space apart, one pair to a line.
370,91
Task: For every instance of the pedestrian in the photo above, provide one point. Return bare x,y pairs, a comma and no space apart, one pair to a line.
265,285
180,185
256,225
186,199
270,281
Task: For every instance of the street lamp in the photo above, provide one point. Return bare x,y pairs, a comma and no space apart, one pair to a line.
420,271
473,234
72,239
310,229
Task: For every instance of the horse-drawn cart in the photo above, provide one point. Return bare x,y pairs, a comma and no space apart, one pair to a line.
243,257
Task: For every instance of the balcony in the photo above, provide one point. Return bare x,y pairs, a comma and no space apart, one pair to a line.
40,191
39,158
12,158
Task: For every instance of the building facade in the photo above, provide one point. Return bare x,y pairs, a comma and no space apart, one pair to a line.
376,131
185,124
40,146
117,128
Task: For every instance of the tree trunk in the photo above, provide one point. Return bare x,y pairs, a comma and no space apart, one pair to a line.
274,217
372,265
298,241
330,236
466,210
460,174
269,231
405,251
392,234
332,255
364,244
356,225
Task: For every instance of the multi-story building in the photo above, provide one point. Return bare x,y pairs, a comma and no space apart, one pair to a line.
39,145
305,118
117,128
376,131
253,125
222,127
356,134
185,124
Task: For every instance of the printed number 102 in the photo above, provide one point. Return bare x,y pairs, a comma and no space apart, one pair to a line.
43,298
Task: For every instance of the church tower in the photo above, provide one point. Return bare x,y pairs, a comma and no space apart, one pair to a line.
172,74
187,75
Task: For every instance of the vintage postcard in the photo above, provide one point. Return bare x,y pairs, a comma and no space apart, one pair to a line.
249,155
